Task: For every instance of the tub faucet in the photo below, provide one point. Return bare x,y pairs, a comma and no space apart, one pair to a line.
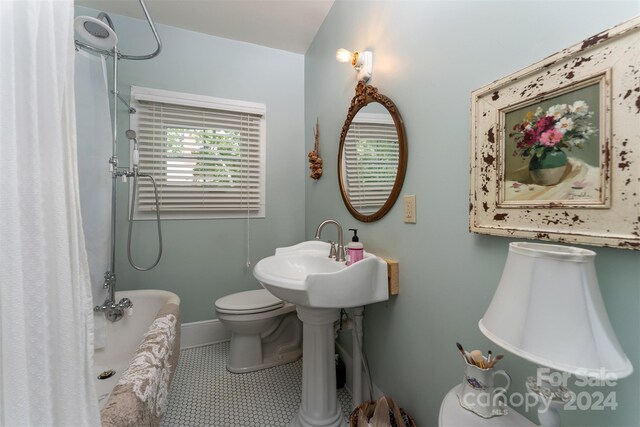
113,311
340,252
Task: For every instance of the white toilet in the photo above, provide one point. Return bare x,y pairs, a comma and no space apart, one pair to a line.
265,331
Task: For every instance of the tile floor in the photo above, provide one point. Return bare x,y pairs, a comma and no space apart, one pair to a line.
204,393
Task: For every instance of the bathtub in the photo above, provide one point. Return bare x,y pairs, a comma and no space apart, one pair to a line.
142,348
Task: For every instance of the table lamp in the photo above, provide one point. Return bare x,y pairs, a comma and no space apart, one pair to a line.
548,310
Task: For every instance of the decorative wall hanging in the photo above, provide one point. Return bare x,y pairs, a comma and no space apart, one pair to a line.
555,146
315,161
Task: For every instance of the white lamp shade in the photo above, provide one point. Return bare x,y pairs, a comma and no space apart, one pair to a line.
548,309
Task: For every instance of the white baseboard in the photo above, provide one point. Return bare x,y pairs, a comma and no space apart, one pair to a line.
348,364
196,334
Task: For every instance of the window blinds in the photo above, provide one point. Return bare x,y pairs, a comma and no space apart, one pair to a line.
371,155
208,162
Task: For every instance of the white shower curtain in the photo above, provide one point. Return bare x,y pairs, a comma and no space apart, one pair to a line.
93,122
46,319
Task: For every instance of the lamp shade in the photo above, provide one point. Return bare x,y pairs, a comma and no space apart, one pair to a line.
548,309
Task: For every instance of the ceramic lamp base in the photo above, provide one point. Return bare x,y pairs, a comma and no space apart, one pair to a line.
551,399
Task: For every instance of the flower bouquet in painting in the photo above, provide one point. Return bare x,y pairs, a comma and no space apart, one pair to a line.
544,135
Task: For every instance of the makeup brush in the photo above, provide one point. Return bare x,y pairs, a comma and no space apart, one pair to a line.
477,357
463,353
496,360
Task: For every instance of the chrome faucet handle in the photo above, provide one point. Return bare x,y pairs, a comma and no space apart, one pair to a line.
332,251
125,303
106,305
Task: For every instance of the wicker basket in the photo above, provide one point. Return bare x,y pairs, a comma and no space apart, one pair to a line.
367,411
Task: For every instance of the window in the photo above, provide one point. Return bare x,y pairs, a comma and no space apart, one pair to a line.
206,154
371,156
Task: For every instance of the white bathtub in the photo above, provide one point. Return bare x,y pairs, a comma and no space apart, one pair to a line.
124,336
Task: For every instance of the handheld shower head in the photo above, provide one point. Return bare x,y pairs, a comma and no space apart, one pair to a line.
131,134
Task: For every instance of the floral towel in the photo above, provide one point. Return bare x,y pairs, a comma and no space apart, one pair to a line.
140,397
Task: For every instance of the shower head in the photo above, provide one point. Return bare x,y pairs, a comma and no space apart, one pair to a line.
131,136
95,33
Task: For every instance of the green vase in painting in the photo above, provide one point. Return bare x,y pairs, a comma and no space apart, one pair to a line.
549,168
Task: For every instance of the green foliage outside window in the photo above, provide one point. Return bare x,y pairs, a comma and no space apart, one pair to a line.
210,155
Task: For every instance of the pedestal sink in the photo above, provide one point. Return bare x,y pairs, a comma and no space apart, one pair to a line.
320,286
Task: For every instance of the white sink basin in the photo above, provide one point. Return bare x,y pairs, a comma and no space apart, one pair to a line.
304,275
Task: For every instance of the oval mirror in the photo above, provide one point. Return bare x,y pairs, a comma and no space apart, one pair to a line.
372,160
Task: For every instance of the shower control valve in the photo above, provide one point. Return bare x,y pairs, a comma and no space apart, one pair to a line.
126,173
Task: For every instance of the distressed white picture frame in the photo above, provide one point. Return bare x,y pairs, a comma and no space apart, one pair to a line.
612,58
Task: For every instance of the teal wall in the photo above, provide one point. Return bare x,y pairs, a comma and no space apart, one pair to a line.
205,259
428,57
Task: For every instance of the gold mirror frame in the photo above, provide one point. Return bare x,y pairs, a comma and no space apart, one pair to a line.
366,94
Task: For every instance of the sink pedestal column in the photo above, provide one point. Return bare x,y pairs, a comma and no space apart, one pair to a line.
319,405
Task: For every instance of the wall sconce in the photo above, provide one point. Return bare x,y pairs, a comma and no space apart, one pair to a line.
361,61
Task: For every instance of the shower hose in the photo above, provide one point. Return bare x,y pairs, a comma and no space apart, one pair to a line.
133,203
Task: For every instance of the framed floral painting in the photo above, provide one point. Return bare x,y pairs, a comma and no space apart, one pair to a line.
556,146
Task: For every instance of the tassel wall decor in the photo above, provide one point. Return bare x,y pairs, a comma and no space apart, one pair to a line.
315,161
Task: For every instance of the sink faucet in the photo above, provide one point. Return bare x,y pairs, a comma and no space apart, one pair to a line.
340,253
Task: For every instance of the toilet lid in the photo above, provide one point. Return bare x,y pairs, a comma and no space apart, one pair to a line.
248,302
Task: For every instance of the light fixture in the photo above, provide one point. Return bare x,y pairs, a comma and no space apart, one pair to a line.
548,310
361,61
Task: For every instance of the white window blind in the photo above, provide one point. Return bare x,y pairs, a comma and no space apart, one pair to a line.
206,154
371,163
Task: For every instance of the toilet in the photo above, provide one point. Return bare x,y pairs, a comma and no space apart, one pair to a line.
265,331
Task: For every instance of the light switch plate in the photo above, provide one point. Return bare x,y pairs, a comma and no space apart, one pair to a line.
409,210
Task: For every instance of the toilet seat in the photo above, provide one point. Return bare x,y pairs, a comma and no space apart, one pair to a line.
248,302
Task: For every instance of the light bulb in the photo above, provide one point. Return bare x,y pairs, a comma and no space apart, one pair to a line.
343,55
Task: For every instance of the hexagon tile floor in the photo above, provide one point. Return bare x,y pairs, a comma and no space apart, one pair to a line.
204,393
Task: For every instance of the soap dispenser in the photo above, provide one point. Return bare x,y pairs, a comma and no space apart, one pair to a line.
355,250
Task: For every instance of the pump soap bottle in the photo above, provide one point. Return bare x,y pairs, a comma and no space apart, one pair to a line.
355,250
